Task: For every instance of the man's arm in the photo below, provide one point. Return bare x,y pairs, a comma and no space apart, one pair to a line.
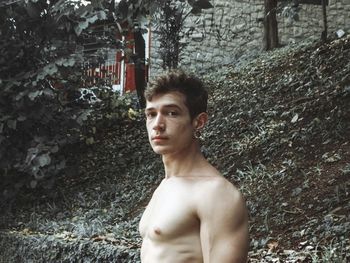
223,223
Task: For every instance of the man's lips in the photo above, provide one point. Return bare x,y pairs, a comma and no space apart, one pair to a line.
159,138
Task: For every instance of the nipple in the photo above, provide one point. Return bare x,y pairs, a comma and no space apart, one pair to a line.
157,231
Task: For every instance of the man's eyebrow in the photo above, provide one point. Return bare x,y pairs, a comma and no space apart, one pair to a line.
172,106
149,109
165,106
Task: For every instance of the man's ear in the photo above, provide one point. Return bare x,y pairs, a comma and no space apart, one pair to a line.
200,121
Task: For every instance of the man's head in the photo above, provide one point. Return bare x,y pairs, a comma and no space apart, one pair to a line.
196,96
175,112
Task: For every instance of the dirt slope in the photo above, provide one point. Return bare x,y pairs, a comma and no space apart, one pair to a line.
283,125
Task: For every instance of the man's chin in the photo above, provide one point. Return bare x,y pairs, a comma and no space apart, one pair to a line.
160,150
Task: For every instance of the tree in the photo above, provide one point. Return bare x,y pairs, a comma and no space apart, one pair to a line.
140,66
169,21
290,9
169,26
324,12
40,62
132,12
270,25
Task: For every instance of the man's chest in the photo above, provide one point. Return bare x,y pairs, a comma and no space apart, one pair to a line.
170,214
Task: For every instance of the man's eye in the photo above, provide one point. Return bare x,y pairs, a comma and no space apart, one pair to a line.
150,115
172,113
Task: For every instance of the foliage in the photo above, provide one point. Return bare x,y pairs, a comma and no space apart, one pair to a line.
64,249
287,167
289,10
169,24
131,10
41,48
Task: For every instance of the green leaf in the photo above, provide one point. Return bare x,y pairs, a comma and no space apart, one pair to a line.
21,118
42,160
12,124
65,62
80,27
21,95
32,95
33,184
83,117
61,165
90,140
295,118
31,154
54,149
11,84
100,15
48,70
48,92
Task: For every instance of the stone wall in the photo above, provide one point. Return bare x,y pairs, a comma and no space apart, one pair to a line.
233,30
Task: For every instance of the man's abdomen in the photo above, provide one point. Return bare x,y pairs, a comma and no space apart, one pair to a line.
186,249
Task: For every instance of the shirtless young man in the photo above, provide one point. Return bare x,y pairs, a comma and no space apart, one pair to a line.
195,215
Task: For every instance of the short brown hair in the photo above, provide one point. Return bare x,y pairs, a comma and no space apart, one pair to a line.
196,95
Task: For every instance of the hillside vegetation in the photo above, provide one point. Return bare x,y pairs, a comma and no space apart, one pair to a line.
279,129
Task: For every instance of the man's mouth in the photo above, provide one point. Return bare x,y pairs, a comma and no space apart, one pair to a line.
159,138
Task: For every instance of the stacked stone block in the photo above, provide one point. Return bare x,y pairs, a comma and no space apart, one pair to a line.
233,29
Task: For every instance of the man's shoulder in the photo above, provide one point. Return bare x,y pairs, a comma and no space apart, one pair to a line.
217,188
221,198
217,183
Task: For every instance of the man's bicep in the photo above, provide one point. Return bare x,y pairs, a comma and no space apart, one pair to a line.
225,248
224,232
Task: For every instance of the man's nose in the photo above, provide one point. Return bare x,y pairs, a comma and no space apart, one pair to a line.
159,123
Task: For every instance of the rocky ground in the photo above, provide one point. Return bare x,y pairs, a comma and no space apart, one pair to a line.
279,129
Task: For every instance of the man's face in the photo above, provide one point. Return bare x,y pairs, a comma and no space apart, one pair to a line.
169,125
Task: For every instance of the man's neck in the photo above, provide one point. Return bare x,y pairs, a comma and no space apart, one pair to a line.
186,163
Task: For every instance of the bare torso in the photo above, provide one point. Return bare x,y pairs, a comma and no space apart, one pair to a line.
170,225
195,215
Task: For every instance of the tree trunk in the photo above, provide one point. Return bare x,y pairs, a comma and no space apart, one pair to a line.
140,72
270,25
324,11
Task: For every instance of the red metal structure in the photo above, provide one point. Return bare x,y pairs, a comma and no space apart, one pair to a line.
118,70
